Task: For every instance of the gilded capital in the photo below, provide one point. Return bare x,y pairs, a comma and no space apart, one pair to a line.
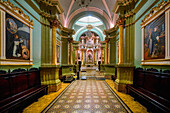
54,21
120,20
107,40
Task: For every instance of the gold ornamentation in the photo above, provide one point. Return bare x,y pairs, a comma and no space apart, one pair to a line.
54,22
120,20
67,30
15,9
89,27
154,10
45,14
114,29
128,2
131,13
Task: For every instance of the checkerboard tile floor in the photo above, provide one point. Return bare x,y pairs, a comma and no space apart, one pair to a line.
89,96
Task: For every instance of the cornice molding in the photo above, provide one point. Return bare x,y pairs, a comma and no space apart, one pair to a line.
155,10
68,31
51,3
114,35
120,20
122,5
111,30
7,4
116,6
131,13
54,21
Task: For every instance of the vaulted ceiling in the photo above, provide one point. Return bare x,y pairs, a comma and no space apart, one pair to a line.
72,8
105,5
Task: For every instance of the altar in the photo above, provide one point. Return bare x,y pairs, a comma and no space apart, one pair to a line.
89,49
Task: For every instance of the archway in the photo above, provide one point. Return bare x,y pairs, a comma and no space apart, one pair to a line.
74,17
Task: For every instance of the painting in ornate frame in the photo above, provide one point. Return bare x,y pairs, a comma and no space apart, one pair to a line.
58,52
155,36
16,36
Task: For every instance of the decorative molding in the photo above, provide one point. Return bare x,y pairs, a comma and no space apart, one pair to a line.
31,14
51,3
154,11
155,60
114,35
47,15
17,13
54,21
7,4
137,9
92,9
131,13
140,5
109,31
67,30
129,2
120,20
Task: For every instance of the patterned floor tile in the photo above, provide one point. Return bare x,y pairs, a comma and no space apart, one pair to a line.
90,96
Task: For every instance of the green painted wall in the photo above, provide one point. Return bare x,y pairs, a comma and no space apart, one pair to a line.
36,36
64,53
112,51
138,36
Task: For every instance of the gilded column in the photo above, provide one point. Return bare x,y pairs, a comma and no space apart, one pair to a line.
71,52
77,56
54,54
121,44
101,55
97,56
81,57
106,53
93,56
85,57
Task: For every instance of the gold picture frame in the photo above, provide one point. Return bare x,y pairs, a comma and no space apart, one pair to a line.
155,36
13,21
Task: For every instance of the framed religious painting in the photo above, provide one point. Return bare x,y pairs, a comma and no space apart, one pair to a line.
58,52
155,36
16,36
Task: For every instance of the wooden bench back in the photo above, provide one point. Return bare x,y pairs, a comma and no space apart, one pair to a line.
153,81
16,82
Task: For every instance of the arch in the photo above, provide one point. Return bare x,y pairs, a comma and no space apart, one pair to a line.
83,30
96,12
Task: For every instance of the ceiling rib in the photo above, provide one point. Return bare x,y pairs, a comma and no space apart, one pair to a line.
108,11
68,12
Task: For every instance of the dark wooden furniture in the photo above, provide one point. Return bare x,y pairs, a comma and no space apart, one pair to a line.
20,88
151,88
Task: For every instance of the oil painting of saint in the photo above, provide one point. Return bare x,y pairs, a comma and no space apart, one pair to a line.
17,39
58,54
154,41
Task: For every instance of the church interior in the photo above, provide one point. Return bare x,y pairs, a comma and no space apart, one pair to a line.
84,56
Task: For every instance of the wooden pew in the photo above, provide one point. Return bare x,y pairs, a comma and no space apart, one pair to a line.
19,89
151,87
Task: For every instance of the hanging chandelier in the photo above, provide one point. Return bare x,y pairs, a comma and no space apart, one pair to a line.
83,3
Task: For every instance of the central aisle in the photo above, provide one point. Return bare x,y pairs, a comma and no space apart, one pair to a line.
89,96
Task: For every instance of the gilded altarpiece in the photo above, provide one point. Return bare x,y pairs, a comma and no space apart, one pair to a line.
16,36
155,36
